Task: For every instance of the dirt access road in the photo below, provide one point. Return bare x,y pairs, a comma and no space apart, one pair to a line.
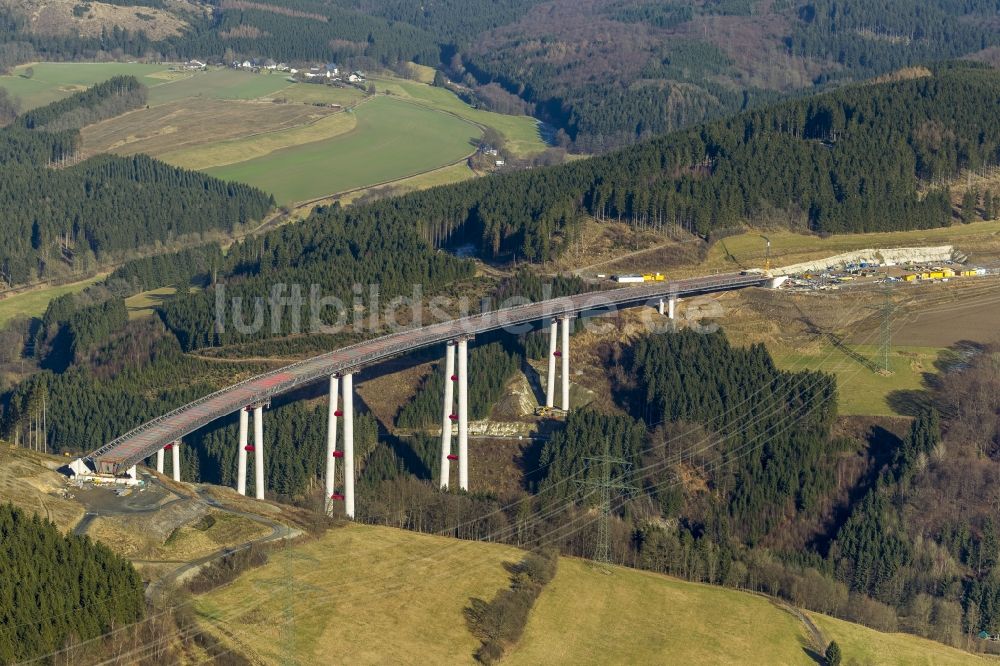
180,574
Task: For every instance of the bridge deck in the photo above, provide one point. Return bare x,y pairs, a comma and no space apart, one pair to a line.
142,442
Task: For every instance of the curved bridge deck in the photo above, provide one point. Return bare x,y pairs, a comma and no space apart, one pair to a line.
144,441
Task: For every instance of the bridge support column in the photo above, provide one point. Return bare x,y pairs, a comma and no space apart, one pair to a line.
671,307
176,450
331,445
160,455
463,414
133,472
565,363
258,451
348,391
660,307
241,455
550,389
448,414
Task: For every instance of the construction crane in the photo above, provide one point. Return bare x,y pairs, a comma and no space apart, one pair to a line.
767,252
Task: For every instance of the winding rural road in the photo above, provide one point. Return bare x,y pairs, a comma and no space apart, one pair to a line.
278,533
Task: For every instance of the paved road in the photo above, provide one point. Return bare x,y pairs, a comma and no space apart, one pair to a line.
142,442
132,504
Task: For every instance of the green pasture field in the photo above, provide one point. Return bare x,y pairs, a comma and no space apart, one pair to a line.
861,645
454,173
860,390
393,139
220,84
53,81
313,93
142,304
614,615
521,132
33,303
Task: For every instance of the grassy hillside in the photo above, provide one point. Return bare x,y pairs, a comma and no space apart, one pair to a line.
51,81
360,595
365,594
521,132
861,645
287,137
32,303
587,616
392,139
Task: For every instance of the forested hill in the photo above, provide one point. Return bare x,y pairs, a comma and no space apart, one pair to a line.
290,30
616,71
62,217
57,589
847,161
606,72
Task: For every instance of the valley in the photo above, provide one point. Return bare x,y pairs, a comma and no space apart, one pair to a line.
531,331
297,141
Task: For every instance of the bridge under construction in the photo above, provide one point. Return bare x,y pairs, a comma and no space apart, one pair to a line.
120,456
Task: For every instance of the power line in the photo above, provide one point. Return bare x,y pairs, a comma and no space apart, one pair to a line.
602,551
885,338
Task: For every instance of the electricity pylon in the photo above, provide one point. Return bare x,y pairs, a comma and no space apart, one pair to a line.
606,484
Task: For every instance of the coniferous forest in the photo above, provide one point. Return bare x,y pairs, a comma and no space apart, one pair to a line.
735,469
59,213
55,588
605,73
850,161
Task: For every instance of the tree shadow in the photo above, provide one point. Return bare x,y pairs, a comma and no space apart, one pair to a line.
909,402
958,356
534,381
882,446
815,656
836,340
413,463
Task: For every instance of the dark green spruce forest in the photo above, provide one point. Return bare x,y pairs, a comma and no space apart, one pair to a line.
56,587
89,212
845,162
